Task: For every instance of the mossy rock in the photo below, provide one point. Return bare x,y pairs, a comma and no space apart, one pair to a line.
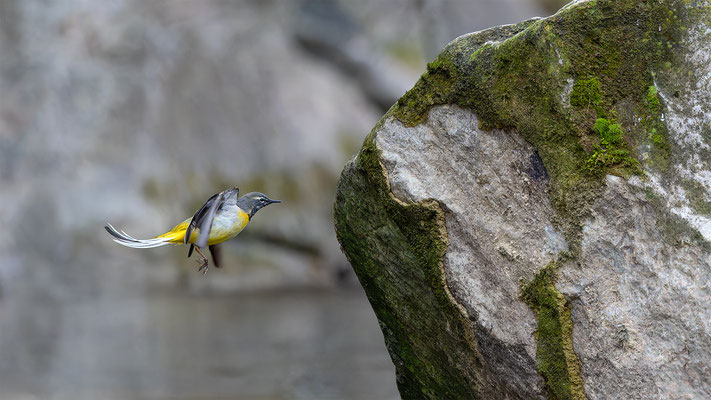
580,87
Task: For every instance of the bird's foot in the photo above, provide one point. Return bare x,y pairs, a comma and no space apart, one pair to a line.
203,266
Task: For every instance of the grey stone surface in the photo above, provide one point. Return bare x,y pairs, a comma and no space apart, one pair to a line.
640,306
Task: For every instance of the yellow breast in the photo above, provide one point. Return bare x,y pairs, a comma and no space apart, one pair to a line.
225,226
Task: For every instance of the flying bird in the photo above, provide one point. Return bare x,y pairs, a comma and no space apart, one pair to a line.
222,217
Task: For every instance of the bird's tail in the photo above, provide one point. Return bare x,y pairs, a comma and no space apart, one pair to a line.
125,239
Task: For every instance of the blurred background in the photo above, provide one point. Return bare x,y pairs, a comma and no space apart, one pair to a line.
134,112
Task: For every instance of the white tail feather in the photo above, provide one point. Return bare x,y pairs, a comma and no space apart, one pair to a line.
125,239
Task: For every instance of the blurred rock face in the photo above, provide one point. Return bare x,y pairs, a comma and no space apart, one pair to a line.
135,113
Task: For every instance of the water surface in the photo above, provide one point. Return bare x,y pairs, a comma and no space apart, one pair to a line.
310,344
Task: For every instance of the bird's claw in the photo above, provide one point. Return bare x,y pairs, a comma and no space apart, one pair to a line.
203,266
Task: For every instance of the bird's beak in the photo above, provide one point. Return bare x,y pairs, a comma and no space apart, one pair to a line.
274,201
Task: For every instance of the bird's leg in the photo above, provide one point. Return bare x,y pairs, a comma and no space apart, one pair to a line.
203,264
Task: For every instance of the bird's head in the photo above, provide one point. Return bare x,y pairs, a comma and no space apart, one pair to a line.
253,202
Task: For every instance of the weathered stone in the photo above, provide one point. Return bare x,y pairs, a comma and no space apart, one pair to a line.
532,219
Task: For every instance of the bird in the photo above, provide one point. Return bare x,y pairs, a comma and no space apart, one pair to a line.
222,217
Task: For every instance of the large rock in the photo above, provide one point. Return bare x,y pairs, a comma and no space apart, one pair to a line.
533,218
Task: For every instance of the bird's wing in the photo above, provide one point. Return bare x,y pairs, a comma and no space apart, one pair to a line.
216,252
190,250
206,214
205,224
199,215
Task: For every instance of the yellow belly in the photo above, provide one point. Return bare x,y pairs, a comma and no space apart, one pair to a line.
223,228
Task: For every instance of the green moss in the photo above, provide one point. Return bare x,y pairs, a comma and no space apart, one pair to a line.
586,93
434,87
555,357
655,131
610,132
652,100
612,152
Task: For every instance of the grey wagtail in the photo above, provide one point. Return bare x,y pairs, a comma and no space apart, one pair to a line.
222,217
